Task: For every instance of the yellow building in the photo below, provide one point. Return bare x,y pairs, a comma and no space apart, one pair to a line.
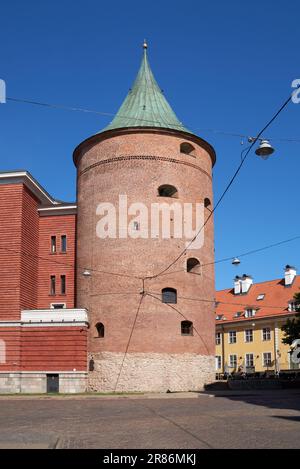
249,318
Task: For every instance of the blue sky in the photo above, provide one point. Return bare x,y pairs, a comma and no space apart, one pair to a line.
222,65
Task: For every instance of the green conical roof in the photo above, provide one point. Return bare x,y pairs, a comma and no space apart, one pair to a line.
145,104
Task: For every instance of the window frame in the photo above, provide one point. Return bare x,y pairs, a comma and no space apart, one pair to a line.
168,290
53,245
262,334
249,341
52,285
229,337
63,236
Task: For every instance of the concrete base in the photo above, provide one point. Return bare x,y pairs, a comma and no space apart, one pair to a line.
36,382
152,372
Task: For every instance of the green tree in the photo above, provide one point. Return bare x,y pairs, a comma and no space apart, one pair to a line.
292,327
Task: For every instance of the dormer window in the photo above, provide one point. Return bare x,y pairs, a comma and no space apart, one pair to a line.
260,297
238,314
219,317
293,306
250,313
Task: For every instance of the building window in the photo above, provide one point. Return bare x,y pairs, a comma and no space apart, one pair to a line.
218,362
169,295
232,361
249,360
63,284
293,306
52,285
267,359
260,297
100,329
207,202
167,191
232,337
219,317
187,148
63,245
218,338
266,333
58,305
193,265
53,244
248,335
249,313
186,328
136,226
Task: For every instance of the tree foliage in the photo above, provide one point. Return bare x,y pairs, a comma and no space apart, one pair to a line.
292,327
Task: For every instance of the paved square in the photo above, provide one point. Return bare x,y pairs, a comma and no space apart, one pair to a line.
238,420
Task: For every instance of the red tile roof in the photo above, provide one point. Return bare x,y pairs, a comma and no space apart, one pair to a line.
275,302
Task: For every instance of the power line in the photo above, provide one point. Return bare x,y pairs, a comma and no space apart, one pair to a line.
227,187
181,314
226,259
110,114
216,302
130,336
34,256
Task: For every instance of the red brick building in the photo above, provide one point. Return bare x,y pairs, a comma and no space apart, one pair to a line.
43,338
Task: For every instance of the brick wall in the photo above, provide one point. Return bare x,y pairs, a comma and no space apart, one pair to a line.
56,264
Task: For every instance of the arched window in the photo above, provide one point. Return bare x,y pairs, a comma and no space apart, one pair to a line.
100,329
169,295
167,191
193,265
187,148
186,328
207,202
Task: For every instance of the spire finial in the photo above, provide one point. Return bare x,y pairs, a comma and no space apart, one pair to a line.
145,45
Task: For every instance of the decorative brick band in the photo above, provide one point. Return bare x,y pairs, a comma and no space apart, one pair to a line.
144,157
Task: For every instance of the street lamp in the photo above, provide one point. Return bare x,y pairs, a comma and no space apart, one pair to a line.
264,149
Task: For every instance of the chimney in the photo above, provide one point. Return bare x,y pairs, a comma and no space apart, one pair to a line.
289,275
246,282
237,285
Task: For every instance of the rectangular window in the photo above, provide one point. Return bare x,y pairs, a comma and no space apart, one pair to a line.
249,360
232,361
218,362
63,284
266,333
248,335
52,285
232,337
53,244
58,305
63,243
218,338
249,313
267,359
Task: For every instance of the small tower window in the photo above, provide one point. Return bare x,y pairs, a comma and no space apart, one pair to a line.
100,329
186,328
207,202
193,265
187,148
169,295
167,191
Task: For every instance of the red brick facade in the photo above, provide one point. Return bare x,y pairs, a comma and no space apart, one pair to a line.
28,220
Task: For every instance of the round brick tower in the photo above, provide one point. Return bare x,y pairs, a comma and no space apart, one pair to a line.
151,323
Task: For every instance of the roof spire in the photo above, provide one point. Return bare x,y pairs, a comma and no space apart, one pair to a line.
145,104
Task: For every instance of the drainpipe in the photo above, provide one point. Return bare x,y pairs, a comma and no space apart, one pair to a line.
223,351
